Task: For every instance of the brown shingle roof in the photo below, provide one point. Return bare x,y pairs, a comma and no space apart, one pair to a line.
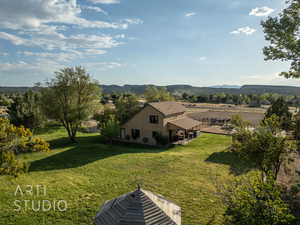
168,108
185,123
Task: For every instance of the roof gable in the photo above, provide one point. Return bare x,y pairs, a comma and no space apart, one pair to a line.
168,108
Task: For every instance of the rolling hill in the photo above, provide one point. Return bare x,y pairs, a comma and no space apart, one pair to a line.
180,89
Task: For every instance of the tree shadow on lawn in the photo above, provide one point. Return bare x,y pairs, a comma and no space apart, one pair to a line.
238,165
87,150
48,129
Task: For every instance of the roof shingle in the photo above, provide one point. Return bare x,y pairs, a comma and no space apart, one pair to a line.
133,208
185,123
168,108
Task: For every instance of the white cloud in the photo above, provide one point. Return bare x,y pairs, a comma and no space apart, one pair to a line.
96,9
133,21
62,56
102,66
46,66
95,51
39,66
3,54
262,11
267,79
121,36
93,41
190,14
104,1
244,30
33,14
202,58
44,27
70,43
13,39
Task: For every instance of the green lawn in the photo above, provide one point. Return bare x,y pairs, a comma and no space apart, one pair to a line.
89,173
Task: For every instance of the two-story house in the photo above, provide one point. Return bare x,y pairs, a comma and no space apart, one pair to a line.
165,118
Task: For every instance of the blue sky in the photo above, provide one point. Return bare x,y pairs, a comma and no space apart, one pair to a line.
196,42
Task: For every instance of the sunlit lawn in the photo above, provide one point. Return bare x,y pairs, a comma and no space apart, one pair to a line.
89,173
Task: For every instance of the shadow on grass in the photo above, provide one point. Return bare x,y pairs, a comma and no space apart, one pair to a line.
237,164
87,150
48,129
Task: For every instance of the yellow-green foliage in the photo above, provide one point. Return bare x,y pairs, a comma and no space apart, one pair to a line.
38,145
10,165
14,140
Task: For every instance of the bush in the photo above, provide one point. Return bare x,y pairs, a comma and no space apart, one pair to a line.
161,140
37,145
145,140
14,140
110,129
9,165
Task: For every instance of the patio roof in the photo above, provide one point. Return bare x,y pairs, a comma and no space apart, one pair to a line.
185,123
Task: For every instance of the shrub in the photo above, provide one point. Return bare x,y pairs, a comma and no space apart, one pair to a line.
37,145
145,140
9,165
161,140
14,140
110,129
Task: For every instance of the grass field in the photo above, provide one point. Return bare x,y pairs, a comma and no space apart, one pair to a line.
89,173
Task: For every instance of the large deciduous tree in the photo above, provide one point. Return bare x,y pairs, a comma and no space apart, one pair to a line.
283,34
153,94
126,107
71,97
280,108
264,146
253,202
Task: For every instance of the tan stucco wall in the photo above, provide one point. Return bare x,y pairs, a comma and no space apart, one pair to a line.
141,121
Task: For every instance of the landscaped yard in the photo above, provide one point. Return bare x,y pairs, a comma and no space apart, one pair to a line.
89,173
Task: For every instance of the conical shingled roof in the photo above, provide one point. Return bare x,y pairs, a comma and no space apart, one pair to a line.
133,208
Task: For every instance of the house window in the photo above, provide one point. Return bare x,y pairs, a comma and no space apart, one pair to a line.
153,119
135,133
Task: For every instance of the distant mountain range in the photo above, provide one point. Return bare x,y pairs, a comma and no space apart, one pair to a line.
180,89
225,86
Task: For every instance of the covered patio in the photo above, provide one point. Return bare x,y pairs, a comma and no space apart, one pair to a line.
183,130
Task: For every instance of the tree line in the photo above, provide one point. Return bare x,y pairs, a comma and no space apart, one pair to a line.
252,100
